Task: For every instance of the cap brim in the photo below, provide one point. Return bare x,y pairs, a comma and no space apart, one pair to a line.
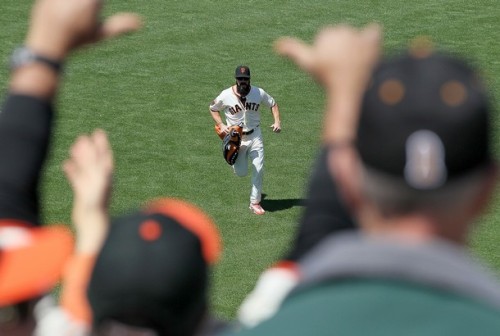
193,219
35,267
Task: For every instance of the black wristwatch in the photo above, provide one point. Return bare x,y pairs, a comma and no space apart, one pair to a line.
24,55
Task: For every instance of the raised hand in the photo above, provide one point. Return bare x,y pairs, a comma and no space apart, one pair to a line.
59,26
341,59
89,171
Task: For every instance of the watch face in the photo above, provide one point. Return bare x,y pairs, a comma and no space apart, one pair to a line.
21,56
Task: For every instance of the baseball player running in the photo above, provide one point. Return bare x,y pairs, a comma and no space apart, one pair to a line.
241,104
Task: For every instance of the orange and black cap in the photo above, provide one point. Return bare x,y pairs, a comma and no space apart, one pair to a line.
153,269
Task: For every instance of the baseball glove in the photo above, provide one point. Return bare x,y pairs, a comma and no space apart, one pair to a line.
231,144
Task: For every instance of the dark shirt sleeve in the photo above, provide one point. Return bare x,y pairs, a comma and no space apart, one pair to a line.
325,212
25,128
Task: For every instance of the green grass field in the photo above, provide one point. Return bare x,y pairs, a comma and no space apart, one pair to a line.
150,91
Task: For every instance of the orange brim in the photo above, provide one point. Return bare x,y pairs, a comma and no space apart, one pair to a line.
32,270
193,219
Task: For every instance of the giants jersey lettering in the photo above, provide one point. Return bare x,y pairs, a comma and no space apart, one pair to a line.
246,111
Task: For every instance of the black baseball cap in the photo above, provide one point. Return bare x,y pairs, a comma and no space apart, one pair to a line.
425,120
242,71
152,271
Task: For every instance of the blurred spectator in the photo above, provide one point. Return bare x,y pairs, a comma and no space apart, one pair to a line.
153,272
32,257
325,213
31,263
416,172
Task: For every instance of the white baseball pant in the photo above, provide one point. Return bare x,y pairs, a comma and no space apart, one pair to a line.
252,148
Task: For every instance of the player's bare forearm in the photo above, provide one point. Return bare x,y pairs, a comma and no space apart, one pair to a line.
222,127
276,126
276,113
216,117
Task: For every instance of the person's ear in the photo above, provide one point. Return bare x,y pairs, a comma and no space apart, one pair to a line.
488,187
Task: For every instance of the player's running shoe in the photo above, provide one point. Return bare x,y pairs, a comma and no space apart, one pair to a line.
257,209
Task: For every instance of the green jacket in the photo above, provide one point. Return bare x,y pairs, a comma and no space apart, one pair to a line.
357,286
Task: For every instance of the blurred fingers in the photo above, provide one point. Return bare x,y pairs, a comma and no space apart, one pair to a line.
103,148
372,35
373,32
296,50
69,169
119,24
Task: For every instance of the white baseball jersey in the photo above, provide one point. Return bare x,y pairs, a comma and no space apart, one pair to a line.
246,110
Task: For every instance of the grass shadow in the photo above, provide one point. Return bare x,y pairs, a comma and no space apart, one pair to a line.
273,205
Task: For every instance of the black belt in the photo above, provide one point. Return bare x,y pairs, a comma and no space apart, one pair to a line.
250,132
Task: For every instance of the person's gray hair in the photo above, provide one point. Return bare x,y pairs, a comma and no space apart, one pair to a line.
393,196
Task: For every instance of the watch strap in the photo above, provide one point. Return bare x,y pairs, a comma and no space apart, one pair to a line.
24,56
